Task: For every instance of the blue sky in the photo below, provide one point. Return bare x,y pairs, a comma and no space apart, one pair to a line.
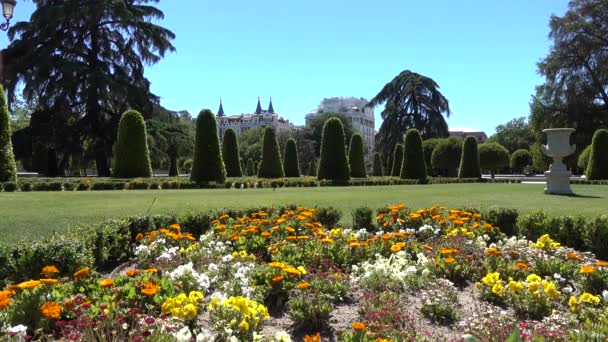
482,53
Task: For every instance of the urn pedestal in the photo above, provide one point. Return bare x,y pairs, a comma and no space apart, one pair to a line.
558,146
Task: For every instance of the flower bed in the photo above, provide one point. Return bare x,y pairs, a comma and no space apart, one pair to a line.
279,275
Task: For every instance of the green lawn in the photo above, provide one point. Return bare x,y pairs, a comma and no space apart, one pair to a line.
32,215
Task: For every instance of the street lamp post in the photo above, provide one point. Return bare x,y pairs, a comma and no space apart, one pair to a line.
8,7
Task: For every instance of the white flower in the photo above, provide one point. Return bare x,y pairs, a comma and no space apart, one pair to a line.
282,336
18,331
605,295
227,258
205,336
183,334
425,272
257,337
212,267
141,250
567,289
410,270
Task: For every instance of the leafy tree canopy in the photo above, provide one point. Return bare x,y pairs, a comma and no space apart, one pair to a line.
514,135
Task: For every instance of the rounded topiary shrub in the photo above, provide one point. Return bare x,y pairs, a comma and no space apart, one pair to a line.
291,164
8,167
250,170
520,159
230,154
377,166
446,157
207,164
131,154
312,168
598,159
493,157
469,162
397,160
270,166
583,158
333,164
356,157
427,147
413,166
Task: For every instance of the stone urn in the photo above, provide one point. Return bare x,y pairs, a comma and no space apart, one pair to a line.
558,146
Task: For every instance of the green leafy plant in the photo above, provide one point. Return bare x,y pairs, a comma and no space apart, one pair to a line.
131,154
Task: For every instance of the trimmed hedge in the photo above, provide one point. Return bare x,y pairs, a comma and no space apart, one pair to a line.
397,160
312,168
250,168
356,158
207,164
8,167
598,159
413,166
493,157
230,154
446,157
131,154
334,164
271,165
583,158
377,166
469,162
428,146
520,159
291,164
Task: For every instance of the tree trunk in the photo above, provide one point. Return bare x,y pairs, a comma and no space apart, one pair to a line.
101,161
492,173
173,167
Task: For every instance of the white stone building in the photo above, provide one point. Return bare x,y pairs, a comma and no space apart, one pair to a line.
361,117
260,118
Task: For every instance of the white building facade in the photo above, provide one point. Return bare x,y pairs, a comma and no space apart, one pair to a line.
354,108
260,118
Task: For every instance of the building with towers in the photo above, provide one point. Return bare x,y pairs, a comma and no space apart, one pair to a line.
259,118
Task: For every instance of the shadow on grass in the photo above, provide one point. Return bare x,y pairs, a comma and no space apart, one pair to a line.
577,196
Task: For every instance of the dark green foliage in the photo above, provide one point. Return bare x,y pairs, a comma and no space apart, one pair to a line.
270,166
256,167
597,236
428,146
207,163
583,158
230,154
250,168
10,186
493,157
446,156
540,161
377,166
363,218
312,168
598,159
520,159
397,160
329,216
503,218
469,162
333,164
131,154
356,157
8,167
291,164
413,166
314,128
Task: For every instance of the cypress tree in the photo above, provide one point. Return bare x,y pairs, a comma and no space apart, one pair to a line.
356,159
207,164
389,164
291,164
250,168
598,159
377,168
413,165
270,166
230,154
131,154
397,160
8,167
256,168
469,161
312,168
333,164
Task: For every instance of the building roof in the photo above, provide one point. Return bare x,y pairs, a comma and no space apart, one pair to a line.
258,109
220,112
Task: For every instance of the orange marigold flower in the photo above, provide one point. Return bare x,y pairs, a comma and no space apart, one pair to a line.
83,273
189,237
30,284
5,299
304,285
601,264
574,256
493,251
139,237
359,326
522,266
132,273
276,264
587,269
427,247
327,240
395,248
312,338
387,236
277,279
106,283
49,281
449,260
69,304
49,271
51,310
150,289
224,217
175,226
292,271
265,234
380,339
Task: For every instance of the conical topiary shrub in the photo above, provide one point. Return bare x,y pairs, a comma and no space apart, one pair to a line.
446,156
377,166
8,167
397,160
356,159
469,162
312,168
270,166
131,154
291,164
250,168
230,154
598,159
413,165
389,164
333,164
207,164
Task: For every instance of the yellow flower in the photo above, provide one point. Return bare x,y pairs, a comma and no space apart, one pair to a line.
587,269
244,325
195,296
449,260
588,298
292,271
51,310
81,274
550,289
302,270
572,303
189,311
26,285
49,281
49,271
150,289
533,278
491,278
515,286
304,285
497,289
106,283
